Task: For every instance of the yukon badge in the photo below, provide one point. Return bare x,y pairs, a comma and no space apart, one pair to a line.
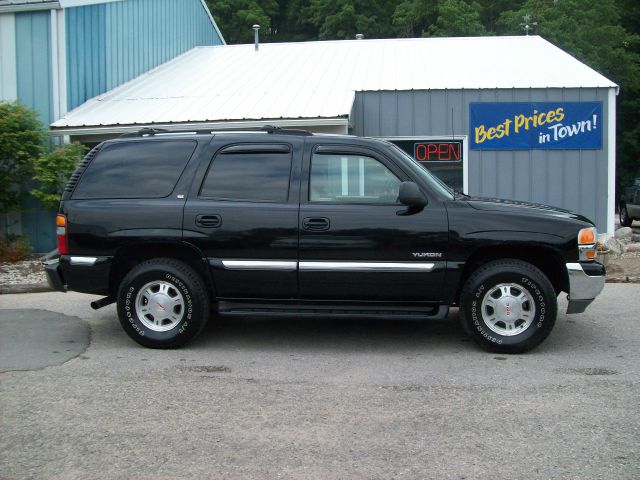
427,255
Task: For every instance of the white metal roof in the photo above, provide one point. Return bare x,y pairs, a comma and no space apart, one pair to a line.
316,80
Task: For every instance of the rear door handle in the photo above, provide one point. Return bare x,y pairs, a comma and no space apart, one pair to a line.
316,224
208,221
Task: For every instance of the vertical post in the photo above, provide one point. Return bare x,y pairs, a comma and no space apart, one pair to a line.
256,39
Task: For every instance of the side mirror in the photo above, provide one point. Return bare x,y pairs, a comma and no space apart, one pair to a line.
411,196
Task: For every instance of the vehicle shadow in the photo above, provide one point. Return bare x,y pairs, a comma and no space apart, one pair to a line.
330,333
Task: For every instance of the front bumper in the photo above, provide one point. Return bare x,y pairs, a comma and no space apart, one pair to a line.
586,281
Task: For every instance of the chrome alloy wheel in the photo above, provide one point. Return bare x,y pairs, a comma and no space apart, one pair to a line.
159,306
508,309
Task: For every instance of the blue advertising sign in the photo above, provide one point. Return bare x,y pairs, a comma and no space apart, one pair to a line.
543,125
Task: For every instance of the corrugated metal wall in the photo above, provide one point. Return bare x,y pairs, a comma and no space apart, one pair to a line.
572,179
33,62
112,43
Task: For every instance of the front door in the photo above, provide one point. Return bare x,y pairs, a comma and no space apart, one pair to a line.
357,242
243,216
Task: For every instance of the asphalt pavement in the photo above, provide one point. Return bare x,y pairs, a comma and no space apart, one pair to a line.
316,398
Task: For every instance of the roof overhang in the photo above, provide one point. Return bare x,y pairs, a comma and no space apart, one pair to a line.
30,6
232,124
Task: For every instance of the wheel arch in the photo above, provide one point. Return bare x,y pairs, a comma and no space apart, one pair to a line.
548,260
133,254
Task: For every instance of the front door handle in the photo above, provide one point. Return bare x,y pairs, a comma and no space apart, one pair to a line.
208,221
316,224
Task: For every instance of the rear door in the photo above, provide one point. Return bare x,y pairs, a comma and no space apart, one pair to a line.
242,212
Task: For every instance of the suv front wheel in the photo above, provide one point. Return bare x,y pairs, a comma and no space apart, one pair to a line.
508,306
163,303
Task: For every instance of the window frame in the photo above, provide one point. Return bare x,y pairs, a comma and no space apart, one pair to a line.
247,148
349,150
109,145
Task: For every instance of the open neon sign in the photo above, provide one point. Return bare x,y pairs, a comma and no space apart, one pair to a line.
437,151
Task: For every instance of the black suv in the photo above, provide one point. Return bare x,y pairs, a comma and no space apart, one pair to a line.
630,204
175,226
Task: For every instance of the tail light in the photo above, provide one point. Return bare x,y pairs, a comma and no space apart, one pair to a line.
61,234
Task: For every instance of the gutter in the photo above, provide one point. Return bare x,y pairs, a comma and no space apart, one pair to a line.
282,122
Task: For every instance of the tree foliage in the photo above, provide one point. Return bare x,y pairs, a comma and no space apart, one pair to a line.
457,18
52,171
21,143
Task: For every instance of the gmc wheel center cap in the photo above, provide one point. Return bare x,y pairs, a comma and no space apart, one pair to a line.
159,305
509,308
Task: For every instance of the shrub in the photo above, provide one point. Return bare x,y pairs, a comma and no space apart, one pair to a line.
14,248
22,138
53,170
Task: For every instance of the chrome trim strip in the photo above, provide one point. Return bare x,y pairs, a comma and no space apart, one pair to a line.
83,260
280,265
367,266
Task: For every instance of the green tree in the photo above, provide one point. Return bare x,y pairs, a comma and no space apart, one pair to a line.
457,18
343,19
236,18
22,140
52,171
411,18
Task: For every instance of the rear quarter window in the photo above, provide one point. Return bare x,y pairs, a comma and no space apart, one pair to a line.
143,169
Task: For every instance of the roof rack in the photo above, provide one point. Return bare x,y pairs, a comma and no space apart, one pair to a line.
269,129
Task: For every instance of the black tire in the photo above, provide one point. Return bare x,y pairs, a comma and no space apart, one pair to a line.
534,310
625,220
175,300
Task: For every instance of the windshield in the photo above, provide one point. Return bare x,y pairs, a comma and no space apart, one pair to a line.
425,174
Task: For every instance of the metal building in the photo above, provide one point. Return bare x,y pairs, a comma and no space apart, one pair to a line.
510,117
55,55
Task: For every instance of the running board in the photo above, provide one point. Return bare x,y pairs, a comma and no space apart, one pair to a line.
436,312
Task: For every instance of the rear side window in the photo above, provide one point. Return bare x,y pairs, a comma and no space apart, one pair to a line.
144,169
248,174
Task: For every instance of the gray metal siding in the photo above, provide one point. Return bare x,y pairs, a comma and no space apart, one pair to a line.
571,179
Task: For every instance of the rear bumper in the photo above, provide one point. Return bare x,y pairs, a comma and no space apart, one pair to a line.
80,274
586,281
54,275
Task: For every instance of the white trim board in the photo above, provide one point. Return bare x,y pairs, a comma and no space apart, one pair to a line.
611,164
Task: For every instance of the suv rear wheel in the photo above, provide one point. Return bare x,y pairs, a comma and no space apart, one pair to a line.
163,303
508,306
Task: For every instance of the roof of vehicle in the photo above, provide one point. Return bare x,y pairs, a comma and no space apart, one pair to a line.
318,80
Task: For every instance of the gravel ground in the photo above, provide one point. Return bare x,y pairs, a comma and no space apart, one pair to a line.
22,276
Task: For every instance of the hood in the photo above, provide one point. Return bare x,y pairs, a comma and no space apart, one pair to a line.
524,208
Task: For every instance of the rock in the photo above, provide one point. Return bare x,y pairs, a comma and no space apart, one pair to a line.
615,246
624,234
633,247
635,238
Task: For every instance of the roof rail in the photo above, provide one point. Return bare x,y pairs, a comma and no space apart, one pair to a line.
270,129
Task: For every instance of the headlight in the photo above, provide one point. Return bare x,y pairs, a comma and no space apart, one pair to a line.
587,242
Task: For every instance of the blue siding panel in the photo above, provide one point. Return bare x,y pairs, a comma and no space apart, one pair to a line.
33,62
109,44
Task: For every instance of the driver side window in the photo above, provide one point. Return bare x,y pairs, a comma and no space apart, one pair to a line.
351,179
